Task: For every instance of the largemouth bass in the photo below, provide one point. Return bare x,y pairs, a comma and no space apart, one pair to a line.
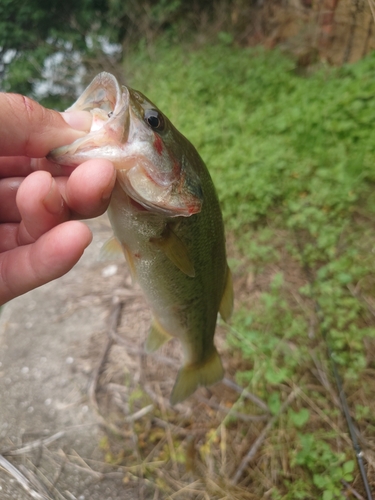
166,218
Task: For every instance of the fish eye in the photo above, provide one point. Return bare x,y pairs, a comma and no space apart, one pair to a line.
154,119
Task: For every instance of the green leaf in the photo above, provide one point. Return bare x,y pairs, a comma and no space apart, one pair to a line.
327,495
348,466
276,376
300,418
274,403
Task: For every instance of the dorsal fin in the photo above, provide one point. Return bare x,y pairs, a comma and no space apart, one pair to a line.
226,304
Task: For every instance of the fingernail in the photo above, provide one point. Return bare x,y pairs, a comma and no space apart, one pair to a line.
79,120
107,193
53,201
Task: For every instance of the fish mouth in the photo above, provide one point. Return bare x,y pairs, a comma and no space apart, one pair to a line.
103,93
120,136
109,105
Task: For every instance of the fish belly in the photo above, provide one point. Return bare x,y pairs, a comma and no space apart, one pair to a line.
181,304
185,307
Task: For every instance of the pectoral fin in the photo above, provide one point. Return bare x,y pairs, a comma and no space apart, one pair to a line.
111,249
226,304
176,250
157,336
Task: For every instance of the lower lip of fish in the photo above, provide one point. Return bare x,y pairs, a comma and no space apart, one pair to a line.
65,161
137,205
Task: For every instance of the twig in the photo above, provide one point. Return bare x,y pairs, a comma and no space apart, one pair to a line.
246,394
188,488
40,480
352,430
113,323
321,375
177,430
235,414
93,385
34,444
141,352
368,37
112,336
112,427
85,467
371,4
352,490
139,414
156,397
123,468
361,298
223,450
262,436
58,474
21,479
168,433
325,418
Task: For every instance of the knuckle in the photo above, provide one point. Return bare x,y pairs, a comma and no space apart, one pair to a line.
25,113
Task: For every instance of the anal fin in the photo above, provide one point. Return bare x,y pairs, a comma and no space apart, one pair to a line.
157,336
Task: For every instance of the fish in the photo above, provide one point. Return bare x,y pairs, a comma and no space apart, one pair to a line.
167,221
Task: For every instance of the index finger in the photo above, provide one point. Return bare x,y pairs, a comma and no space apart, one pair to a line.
29,129
15,166
21,166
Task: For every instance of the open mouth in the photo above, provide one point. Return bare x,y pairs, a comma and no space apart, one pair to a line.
108,103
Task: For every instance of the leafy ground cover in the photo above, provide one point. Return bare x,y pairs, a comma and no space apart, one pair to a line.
293,159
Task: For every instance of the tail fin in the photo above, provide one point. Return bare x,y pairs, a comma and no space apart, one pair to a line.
190,377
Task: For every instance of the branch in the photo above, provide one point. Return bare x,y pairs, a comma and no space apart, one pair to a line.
262,436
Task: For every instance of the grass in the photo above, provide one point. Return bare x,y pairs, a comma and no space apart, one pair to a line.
293,159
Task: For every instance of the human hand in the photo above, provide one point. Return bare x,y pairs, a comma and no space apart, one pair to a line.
39,238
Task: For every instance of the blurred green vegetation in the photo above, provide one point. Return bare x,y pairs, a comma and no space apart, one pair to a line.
49,49
293,161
